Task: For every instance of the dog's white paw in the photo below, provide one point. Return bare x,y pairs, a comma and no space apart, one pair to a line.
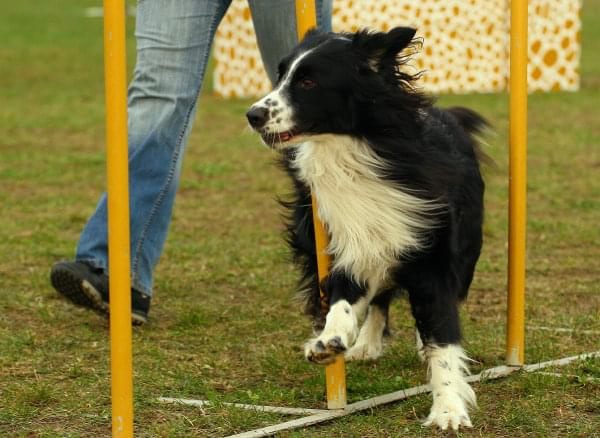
324,350
448,411
362,351
340,332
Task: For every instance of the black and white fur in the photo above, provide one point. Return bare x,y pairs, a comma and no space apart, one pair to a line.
399,190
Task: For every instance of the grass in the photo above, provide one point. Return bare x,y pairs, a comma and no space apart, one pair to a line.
223,325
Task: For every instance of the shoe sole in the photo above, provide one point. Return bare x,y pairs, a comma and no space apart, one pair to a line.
82,293
70,287
95,297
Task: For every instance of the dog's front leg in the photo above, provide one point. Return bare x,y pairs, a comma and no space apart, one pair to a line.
438,326
451,392
348,304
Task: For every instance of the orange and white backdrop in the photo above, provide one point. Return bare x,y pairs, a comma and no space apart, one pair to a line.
465,43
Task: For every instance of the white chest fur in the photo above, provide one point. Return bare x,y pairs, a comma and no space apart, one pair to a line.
371,221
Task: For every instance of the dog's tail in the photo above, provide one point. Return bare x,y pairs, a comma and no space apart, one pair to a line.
476,126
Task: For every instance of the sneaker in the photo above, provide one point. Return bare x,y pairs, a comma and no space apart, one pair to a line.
87,286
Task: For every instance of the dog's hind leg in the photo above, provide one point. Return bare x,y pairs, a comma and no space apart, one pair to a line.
369,344
437,319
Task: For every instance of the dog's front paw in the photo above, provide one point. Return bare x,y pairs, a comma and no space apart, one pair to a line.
448,411
340,332
323,350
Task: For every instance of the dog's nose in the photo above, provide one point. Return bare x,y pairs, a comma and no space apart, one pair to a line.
257,116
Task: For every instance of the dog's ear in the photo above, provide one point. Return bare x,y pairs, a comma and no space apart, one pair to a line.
312,32
381,49
312,37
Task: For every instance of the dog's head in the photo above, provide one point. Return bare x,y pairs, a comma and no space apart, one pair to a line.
329,83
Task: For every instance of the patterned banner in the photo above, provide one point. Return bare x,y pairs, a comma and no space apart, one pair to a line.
465,43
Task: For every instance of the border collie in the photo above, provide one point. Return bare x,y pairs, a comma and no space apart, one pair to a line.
399,190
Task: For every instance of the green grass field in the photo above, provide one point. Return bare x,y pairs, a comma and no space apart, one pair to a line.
223,324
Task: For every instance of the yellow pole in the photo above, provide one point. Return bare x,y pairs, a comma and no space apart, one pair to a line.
115,78
335,374
515,330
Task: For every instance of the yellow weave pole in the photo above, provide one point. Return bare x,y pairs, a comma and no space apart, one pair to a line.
515,331
335,374
115,77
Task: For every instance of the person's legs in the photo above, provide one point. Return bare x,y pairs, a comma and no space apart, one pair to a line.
173,44
275,28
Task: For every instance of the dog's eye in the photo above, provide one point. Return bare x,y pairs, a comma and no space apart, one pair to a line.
306,83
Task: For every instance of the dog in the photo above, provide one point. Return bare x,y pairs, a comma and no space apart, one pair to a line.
399,190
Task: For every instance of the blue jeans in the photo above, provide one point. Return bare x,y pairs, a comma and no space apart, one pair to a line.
174,38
